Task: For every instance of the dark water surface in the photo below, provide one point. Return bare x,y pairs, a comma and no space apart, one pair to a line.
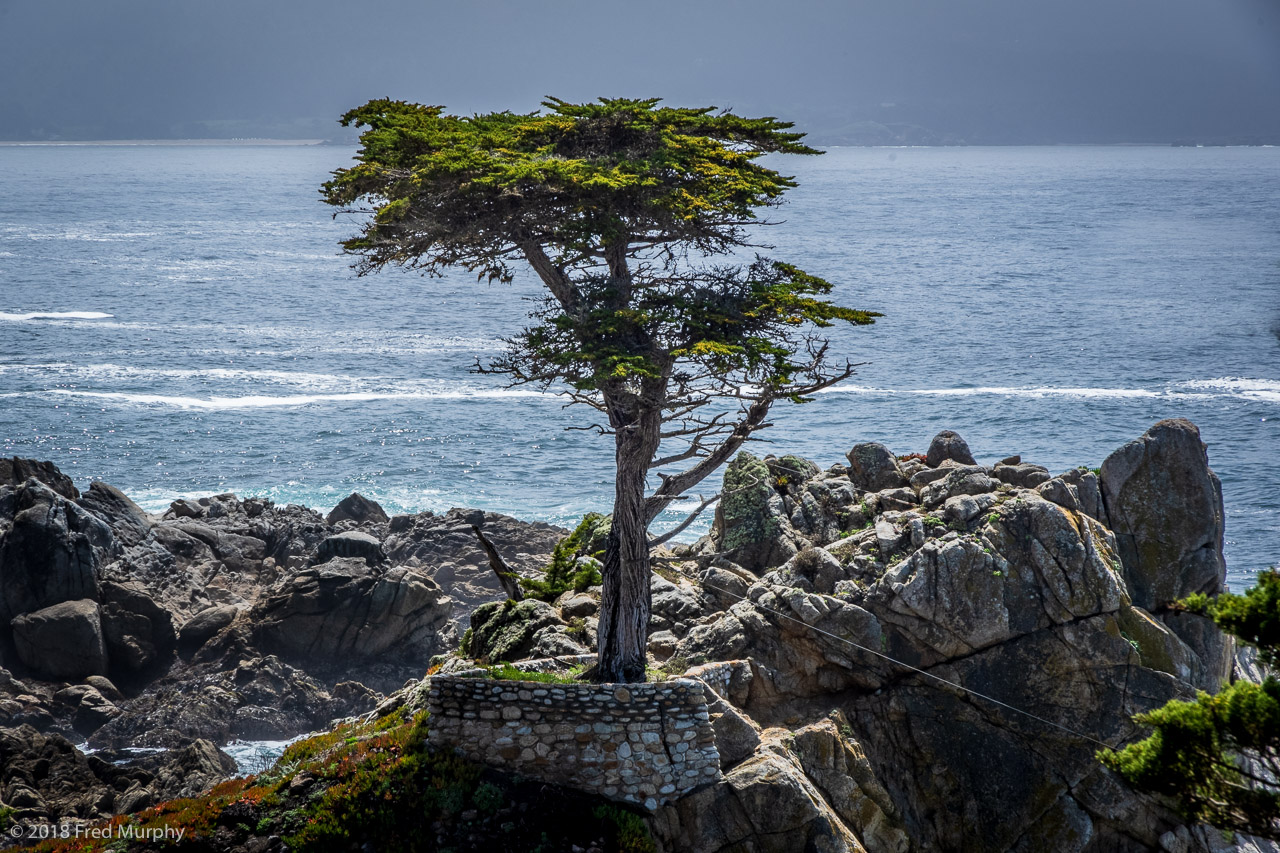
176,320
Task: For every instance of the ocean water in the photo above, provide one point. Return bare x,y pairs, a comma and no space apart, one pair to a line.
177,321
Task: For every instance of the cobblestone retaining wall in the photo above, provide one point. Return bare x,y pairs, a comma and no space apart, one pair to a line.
731,679
641,743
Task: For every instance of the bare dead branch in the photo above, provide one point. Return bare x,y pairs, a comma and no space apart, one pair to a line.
506,575
689,519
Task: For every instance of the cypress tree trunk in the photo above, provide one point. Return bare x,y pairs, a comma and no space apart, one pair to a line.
623,634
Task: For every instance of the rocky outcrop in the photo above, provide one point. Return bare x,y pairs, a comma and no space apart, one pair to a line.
751,522
202,627
237,695
354,544
446,549
46,778
873,467
801,790
344,610
356,508
129,522
510,630
184,772
63,641
91,585
1007,581
948,445
1164,504
50,551
15,471
139,633
936,648
89,707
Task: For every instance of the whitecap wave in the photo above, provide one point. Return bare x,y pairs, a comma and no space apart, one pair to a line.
56,315
1256,389
256,756
224,387
157,499
260,401
1001,391
115,372
1197,389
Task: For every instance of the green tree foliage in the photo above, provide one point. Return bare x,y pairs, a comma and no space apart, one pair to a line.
617,206
1219,756
569,568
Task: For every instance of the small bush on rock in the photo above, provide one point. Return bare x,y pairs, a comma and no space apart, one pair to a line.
630,833
1218,757
569,567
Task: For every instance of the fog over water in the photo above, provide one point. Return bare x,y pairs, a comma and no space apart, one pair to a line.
849,71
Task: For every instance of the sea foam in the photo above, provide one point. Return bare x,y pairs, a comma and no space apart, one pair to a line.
55,315
1196,389
260,401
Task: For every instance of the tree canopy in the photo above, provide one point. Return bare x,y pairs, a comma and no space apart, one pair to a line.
1218,757
618,206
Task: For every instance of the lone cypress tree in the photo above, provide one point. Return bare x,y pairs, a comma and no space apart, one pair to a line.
615,205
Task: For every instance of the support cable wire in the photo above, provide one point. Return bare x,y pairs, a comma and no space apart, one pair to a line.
915,669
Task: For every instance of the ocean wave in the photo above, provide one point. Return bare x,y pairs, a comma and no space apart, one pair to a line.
218,382
320,497
115,372
1001,391
1198,389
259,401
88,236
1256,389
280,341
56,315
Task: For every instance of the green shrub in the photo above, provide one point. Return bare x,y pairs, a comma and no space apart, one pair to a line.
1216,757
568,569
630,835
488,798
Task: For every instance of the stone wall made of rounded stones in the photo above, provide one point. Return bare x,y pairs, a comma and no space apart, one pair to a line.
730,679
645,744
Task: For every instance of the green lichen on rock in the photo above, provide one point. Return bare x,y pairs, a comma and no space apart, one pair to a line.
597,533
744,516
790,473
504,630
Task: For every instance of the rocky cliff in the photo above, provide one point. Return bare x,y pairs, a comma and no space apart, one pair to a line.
978,632
221,619
936,649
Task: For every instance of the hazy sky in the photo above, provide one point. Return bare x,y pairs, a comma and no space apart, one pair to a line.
972,70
